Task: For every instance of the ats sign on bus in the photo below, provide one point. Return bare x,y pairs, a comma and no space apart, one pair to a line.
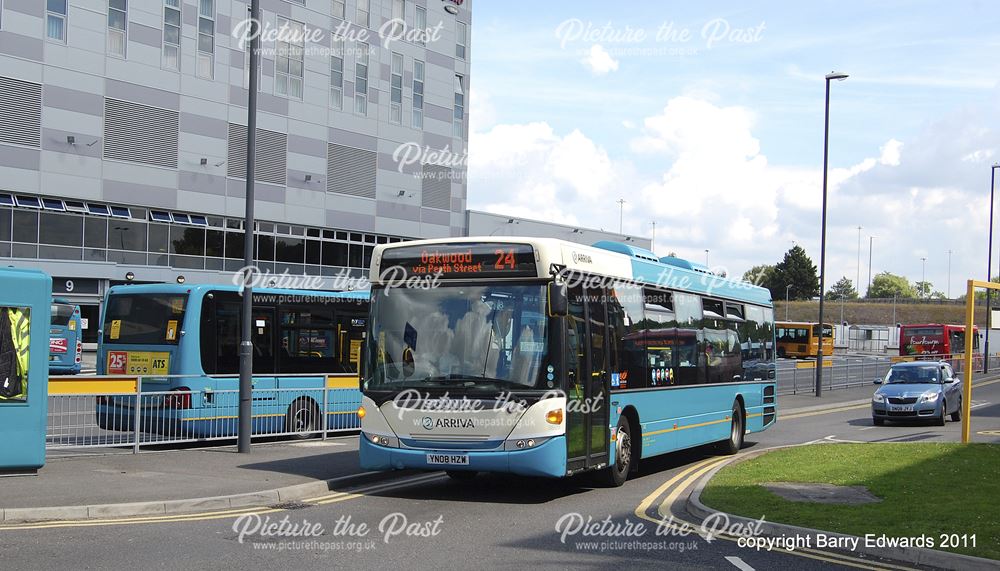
464,260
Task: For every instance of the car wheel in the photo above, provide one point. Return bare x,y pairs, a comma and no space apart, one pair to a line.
957,415
878,421
943,419
614,476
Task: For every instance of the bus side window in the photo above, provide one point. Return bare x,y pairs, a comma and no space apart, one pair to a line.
626,307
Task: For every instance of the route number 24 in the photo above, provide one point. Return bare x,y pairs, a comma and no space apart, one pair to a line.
505,260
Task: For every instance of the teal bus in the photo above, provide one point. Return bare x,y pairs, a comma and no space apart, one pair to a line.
542,357
182,341
65,341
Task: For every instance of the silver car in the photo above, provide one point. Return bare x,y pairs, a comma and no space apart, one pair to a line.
918,390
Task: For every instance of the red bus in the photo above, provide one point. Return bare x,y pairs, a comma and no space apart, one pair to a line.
935,339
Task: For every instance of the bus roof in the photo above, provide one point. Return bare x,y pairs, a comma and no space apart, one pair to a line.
166,288
910,325
798,323
611,259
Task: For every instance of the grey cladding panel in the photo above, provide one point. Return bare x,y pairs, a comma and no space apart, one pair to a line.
20,112
436,187
350,171
140,133
272,155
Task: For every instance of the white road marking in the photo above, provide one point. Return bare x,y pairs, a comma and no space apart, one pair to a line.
739,563
867,428
833,438
975,405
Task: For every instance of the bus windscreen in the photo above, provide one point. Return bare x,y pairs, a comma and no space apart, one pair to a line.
61,314
144,319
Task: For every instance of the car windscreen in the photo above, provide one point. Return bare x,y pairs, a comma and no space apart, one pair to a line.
913,375
147,319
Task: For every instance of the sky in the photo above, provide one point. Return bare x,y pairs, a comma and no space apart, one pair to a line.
708,121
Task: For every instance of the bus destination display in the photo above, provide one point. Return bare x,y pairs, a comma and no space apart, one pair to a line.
464,260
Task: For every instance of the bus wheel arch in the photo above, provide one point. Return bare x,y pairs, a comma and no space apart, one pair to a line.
738,427
303,418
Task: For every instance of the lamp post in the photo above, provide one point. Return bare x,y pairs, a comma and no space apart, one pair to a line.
652,243
787,287
621,213
989,274
857,281
923,276
822,242
949,274
706,258
246,330
870,239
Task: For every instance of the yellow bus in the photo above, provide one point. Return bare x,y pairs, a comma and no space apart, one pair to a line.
799,339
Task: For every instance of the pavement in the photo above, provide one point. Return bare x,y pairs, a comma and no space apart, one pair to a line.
418,521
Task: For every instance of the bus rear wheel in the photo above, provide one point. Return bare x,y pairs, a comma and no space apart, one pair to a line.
302,420
737,429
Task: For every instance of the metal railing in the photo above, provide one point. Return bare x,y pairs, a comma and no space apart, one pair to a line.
132,412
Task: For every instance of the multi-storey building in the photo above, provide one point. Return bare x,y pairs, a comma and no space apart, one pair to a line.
123,135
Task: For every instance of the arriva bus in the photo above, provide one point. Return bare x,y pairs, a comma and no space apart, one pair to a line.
797,339
934,339
547,358
304,342
65,342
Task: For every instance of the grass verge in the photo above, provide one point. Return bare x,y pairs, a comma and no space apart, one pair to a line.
927,489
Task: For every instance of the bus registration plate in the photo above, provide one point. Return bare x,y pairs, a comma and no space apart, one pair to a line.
448,459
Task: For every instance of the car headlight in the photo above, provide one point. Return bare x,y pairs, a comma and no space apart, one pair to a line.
929,397
878,397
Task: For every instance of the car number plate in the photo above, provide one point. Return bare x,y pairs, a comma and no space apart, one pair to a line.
448,459
901,408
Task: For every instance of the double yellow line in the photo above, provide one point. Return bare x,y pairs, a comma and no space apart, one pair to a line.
687,477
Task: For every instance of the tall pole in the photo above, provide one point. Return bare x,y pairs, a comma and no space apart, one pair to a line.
949,274
870,239
857,281
246,331
989,276
923,276
621,213
822,241
706,258
652,243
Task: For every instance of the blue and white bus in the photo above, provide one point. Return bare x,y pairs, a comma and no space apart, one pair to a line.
547,358
182,341
65,341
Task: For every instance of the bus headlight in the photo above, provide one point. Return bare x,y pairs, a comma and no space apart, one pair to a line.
554,416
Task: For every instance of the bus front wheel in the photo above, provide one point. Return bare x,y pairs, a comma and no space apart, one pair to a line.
616,474
302,420
737,429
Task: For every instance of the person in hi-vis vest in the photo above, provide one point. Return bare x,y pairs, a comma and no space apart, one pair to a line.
15,341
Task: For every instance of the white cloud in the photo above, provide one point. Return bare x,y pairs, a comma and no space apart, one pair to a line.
890,152
599,61
482,113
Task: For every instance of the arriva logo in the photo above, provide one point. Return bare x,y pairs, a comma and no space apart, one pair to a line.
428,423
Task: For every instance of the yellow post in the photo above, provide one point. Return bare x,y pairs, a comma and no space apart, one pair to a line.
970,304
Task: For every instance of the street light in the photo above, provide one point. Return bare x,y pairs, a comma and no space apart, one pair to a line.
787,287
989,273
870,238
822,242
923,276
621,213
706,258
857,281
949,274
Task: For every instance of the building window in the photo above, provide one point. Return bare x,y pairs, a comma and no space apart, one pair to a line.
364,14
461,39
117,27
398,17
172,34
458,126
206,38
289,61
396,90
418,94
361,79
337,74
421,24
338,9
55,19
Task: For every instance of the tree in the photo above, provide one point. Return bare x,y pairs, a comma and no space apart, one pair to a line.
923,289
798,271
760,275
843,289
886,285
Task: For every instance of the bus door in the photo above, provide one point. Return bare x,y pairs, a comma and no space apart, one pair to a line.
266,351
588,379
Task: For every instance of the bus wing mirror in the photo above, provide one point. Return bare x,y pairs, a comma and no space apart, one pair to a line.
558,300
